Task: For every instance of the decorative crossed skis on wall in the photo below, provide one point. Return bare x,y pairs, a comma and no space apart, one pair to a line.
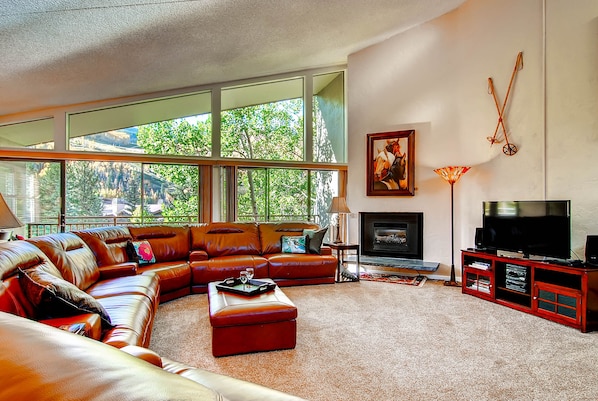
509,148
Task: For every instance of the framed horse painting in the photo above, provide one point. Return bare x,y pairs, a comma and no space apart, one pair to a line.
391,163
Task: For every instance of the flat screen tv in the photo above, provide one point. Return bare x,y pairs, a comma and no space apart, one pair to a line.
531,228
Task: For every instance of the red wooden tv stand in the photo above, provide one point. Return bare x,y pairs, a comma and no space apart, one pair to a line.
563,294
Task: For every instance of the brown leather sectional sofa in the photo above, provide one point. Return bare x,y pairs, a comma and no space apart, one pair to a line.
116,299
42,363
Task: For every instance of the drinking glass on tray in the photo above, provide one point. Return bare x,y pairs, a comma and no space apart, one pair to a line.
250,271
243,278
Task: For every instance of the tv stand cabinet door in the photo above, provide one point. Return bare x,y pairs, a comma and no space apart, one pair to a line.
559,304
479,283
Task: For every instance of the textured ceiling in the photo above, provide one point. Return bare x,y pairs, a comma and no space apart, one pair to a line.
61,52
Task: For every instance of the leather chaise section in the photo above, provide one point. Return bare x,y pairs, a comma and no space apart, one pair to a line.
132,317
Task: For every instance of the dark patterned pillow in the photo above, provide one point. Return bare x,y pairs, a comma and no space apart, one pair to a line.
316,237
131,253
294,243
56,297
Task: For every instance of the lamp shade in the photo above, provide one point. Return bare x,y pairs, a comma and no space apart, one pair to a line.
7,218
339,205
451,173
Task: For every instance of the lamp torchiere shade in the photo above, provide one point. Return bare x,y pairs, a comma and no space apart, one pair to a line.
452,174
7,217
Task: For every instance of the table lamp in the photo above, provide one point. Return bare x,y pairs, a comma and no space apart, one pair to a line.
339,206
7,220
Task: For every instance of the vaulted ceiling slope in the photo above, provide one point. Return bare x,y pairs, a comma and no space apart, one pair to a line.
62,52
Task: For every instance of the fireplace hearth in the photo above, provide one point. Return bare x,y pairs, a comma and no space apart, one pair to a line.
398,235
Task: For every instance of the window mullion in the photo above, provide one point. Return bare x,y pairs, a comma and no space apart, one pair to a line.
308,97
309,209
216,119
267,195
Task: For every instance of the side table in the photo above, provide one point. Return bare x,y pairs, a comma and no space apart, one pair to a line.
340,249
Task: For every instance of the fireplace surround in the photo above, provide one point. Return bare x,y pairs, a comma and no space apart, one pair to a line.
390,234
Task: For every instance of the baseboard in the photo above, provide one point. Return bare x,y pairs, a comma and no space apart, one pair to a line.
403,272
441,277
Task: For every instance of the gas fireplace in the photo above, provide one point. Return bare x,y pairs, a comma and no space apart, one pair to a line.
397,235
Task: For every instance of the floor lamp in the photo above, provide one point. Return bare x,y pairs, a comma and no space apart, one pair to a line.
452,174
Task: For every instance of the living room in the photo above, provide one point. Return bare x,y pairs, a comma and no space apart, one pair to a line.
433,78
407,82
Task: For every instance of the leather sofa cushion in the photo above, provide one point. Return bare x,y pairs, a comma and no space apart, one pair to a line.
172,275
224,267
15,254
226,239
72,257
132,317
168,243
299,266
271,233
147,285
108,244
44,363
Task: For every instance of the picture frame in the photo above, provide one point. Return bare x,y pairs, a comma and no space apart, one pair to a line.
391,163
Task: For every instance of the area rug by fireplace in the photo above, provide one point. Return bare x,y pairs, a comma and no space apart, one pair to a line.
417,281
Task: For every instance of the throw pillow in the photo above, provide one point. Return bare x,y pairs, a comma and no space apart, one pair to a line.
316,237
141,252
56,297
34,287
131,253
294,243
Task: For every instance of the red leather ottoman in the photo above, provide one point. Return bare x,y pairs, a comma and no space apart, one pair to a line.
242,324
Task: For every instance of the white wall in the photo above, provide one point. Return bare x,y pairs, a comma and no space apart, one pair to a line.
434,78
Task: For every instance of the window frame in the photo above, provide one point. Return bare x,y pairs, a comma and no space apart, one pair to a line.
210,188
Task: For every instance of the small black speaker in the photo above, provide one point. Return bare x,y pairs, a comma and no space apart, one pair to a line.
592,250
479,238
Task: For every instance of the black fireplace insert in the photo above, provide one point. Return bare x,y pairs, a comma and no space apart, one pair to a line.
392,234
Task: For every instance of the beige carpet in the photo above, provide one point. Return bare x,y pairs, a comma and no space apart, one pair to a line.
380,341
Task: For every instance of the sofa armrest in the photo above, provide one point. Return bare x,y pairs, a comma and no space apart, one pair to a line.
198,256
91,322
119,270
325,250
143,353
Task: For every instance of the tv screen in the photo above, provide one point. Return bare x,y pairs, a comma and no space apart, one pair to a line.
533,228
